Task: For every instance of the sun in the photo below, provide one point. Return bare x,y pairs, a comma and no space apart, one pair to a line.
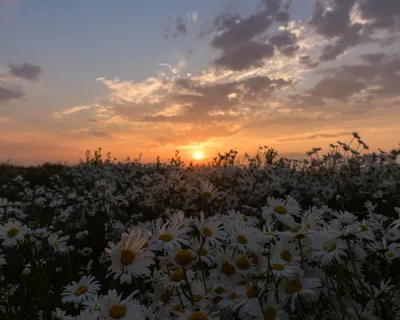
198,155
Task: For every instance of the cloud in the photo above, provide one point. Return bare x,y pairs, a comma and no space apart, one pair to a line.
70,111
25,71
8,94
381,14
101,134
4,119
246,56
317,136
175,27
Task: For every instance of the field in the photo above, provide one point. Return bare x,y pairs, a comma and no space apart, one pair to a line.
267,238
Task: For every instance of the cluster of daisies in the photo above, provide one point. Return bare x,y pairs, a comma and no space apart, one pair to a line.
269,240
280,263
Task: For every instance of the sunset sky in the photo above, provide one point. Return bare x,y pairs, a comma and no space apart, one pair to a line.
150,77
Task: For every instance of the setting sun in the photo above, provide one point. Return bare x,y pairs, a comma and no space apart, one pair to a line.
198,155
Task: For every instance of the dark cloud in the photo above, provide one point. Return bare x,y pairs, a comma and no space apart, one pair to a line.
334,22
318,135
25,71
308,61
377,77
101,134
246,56
226,100
241,31
383,14
175,28
8,94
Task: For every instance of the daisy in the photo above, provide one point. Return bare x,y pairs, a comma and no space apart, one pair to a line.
282,210
295,287
129,257
12,233
207,189
325,250
114,307
242,237
271,310
281,268
181,222
285,251
212,229
247,300
77,292
205,252
58,243
226,267
167,237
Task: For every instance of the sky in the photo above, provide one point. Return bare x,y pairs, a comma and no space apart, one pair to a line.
150,77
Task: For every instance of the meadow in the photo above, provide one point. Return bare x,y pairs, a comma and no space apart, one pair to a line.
262,238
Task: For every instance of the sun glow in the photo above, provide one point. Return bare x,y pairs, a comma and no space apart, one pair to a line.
198,155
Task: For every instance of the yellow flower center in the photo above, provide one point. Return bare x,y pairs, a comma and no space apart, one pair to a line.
241,239
127,257
390,254
166,237
184,257
329,247
207,232
203,252
270,313
280,210
364,227
242,264
165,297
117,311
233,296
207,194
277,266
198,315
251,292
292,286
55,245
12,232
286,255
196,297
177,275
266,234
227,269
183,189
81,290
392,234
308,226
244,218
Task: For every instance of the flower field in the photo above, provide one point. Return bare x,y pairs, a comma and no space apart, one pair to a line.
263,238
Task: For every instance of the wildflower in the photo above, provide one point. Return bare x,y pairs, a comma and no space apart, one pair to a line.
168,237
114,307
129,257
78,292
12,233
282,210
294,287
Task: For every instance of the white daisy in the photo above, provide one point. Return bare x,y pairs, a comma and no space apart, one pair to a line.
285,251
168,237
12,233
293,288
114,307
130,258
325,250
58,243
78,292
211,229
281,210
